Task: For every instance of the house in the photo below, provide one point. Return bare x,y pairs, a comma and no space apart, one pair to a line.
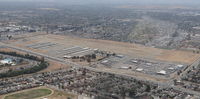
6,61
139,69
162,72
67,57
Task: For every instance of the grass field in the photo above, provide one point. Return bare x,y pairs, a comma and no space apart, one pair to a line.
62,95
40,93
31,94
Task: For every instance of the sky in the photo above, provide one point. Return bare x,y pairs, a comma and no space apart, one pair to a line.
175,2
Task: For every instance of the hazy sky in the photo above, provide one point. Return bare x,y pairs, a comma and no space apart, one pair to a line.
120,1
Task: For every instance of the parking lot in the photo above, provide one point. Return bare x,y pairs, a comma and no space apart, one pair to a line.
146,66
42,45
59,51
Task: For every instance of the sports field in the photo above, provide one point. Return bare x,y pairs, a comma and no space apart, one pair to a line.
40,93
31,94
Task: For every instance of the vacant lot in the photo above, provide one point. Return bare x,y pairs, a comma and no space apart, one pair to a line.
30,94
129,49
54,66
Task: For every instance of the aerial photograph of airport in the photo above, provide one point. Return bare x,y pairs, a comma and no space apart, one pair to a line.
99,49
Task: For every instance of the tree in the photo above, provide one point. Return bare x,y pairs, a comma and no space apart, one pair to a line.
9,36
93,56
175,34
42,59
148,89
88,60
188,37
122,92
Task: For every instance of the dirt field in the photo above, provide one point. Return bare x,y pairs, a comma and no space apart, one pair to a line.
55,66
134,50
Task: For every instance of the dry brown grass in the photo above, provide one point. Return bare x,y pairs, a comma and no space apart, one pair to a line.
11,50
55,66
134,50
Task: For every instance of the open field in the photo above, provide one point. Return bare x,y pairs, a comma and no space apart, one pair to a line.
133,50
39,93
30,94
61,95
54,66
